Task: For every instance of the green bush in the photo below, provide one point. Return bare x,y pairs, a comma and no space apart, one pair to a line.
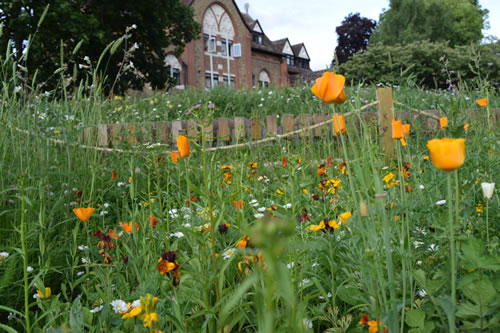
433,65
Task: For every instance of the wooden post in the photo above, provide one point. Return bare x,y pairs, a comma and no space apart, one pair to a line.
192,129
256,127
162,130
240,128
224,130
272,125
385,117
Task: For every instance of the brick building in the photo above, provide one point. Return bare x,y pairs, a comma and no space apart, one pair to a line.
234,51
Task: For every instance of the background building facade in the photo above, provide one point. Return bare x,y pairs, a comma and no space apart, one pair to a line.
234,51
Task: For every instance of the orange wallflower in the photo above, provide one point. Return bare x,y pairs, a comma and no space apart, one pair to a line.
330,88
243,242
152,221
443,122
447,154
338,124
83,214
239,204
174,156
128,227
183,146
113,174
397,129
482,102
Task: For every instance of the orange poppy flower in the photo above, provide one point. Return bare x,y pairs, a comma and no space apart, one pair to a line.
113,174
406,129
397,129
443,122
239,204
482,102
284,162
330,88
174,156
183,146
403,142
128,227
83,214
466,126
152,221
447,154
338,124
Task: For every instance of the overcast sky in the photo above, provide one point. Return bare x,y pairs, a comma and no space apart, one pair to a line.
313,22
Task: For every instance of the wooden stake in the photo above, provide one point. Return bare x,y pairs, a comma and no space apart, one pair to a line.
385,117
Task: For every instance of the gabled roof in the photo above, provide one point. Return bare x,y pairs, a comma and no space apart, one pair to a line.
300,51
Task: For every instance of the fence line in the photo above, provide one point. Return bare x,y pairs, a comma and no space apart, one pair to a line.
168,132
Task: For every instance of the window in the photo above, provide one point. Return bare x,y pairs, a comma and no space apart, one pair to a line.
230,48
208,81
224,46
290,60
257,38
205,41
216,80
264,79
176,74
232,82
225,80
209,43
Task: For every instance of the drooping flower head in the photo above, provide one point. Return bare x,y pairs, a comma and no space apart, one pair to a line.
183,146
330,88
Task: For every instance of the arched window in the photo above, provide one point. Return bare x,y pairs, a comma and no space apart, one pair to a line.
175,67
218,37
264,79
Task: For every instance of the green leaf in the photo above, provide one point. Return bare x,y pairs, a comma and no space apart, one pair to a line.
415,318
45,11
8,329
77,47
467,310
481,292
116,45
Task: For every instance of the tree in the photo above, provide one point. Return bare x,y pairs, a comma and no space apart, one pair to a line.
150,27
353,36
459,22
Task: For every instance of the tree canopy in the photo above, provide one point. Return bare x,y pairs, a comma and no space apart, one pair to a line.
150,27
459,22
353,36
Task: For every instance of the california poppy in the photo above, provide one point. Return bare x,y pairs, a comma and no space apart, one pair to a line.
447,154
128,227
174,156
183,146
482,102
443,122
397,129
406,129
338,124
330,88
83,214
466,126
239,204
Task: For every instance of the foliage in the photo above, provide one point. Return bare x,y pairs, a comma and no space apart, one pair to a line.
72,34
459,22
353,36
433,65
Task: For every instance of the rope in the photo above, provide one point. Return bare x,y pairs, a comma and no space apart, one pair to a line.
427,114
277,137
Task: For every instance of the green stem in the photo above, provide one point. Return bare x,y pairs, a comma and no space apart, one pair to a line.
487,226
451,231
25,261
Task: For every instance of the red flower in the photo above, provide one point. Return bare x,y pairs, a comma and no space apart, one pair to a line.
330,162
113,174
284,162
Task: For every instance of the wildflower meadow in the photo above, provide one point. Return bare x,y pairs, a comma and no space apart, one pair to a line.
299,234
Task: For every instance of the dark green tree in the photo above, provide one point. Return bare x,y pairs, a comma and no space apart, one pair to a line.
150,26
352,36
459,22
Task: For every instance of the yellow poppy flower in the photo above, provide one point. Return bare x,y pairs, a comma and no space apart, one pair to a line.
183,146
83,214
330,88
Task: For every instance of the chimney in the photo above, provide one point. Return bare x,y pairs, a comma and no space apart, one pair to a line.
247,7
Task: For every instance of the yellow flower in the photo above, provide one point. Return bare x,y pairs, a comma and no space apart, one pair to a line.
333,224
317,227
447,154
149,318
345,216
47,294
133,313
84,214
443,122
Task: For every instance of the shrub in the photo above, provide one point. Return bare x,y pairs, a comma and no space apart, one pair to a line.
433,65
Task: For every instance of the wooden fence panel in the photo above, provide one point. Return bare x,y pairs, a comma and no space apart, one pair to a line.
272,125
304,121
240,128
102,136
131,134
224,130
192,129
288,123
321,131
177,129
162,131
256,128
